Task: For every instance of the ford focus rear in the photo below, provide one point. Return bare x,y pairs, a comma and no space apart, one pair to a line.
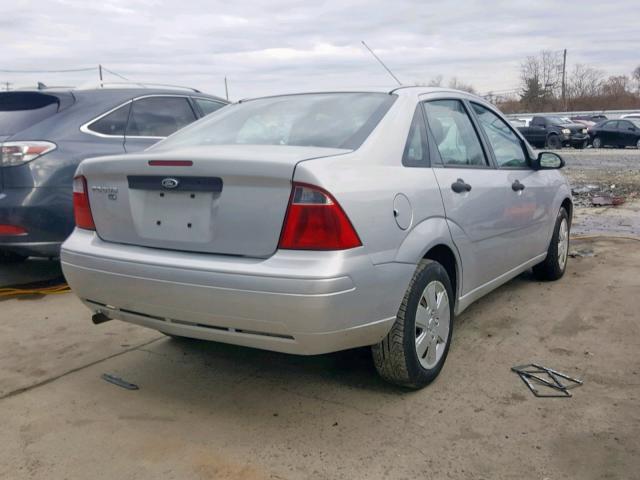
306,224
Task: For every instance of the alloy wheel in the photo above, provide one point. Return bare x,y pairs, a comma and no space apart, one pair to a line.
563,243
433,319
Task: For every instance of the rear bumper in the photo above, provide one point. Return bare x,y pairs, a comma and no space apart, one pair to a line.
295,301
45,213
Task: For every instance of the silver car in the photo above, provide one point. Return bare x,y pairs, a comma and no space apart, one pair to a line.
319,222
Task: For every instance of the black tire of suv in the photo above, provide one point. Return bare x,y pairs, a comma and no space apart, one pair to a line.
550,269
395,357
597,143
554,142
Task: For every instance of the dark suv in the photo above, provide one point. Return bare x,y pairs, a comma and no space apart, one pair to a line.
45,134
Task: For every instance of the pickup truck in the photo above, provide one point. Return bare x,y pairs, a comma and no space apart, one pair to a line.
554,133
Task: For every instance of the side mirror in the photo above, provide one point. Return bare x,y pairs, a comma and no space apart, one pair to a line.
547,161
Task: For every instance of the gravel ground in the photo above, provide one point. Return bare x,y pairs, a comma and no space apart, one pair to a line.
602,172
213,411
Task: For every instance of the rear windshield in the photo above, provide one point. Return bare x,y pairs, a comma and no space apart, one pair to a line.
20,110
333,120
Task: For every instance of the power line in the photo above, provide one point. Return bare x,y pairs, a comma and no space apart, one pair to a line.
50,71
116,74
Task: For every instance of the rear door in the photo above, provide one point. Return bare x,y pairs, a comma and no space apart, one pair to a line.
538,131
628,133
475,194
155,117
609,133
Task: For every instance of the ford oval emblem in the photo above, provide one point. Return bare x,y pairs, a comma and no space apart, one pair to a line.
169,183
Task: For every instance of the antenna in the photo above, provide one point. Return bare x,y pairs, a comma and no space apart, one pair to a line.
226,88
382,63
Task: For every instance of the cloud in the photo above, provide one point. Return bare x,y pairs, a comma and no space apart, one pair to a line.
265,47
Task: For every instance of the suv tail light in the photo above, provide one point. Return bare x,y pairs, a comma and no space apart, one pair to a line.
12,230
19,153
315,221
81,207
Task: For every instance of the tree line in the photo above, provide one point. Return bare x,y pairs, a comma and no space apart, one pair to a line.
543,89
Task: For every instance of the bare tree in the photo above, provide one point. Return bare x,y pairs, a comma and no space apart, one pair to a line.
435,81
584,82
545,69
460,85
636,77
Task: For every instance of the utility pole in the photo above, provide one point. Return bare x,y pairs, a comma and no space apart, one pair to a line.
100,74
7,85
226,88
564,79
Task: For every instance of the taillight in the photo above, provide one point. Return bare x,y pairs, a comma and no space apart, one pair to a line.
315,221
12,230
18,153
81,207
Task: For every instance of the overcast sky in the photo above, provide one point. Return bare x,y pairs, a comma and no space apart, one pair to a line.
266,47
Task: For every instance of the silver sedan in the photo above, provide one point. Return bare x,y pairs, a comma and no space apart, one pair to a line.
317,222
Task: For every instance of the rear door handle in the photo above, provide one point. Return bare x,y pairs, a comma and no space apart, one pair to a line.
517,186
459,186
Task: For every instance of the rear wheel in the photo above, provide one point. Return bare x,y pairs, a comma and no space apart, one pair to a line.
414,351
554,266
554,142
597,142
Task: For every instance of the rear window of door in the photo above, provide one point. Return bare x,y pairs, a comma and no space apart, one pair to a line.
159,116
114,123
207,106
506,145
415,150
454,134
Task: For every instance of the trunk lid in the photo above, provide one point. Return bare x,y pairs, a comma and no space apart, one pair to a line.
231,199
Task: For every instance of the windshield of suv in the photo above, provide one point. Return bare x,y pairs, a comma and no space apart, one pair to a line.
558,121
333,120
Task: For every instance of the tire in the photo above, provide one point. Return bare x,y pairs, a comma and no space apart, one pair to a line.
11,257
638,144
597,142
396,357
554,142
554,266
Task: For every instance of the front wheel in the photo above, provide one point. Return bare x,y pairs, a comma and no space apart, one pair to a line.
554,266
414,351
554,142
597,142
638,144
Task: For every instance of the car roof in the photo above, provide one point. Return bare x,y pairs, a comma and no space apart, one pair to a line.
115,94
402,90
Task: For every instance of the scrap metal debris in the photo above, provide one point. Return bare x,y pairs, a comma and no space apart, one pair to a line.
546,382
606,200
119,382
582,253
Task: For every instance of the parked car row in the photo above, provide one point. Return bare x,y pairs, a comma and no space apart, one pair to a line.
45,134
552,131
